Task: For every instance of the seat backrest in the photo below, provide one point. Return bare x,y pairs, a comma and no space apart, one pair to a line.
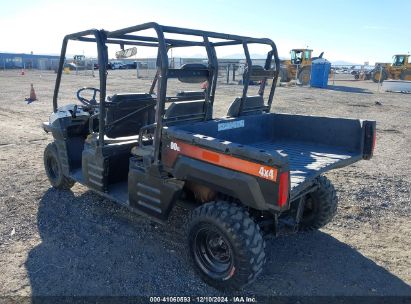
252,105
185,111
127,113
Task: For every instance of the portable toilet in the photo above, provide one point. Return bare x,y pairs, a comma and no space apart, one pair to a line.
320,68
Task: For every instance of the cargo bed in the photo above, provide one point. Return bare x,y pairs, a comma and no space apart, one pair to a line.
307,146
307,161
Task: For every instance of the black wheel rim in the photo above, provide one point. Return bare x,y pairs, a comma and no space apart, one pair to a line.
213,253
52,168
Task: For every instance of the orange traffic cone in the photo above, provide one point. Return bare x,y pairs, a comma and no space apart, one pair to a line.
32,93
33,96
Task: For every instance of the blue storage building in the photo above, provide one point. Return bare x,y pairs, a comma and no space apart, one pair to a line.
28,61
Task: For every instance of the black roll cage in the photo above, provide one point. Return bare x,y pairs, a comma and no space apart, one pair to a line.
123,37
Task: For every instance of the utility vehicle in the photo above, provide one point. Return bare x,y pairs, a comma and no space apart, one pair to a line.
247,175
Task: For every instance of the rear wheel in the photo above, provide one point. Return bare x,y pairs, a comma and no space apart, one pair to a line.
376,75
53,169
226,245
304,75
406,75
320,206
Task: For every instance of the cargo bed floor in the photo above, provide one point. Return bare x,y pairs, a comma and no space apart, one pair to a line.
307,160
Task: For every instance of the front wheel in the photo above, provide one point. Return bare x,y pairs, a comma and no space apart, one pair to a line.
54,172
304,75
379,75
406,75
226,245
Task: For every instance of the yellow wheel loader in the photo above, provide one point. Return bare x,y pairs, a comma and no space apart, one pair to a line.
299,66
399,69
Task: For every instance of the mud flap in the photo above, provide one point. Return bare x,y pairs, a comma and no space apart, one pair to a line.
63,156
95,169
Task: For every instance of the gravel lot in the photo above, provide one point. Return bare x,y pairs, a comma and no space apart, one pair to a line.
77,243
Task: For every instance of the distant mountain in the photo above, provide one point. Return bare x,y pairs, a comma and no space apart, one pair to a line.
342,62
242,56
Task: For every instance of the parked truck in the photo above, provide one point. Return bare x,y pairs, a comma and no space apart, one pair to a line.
245,176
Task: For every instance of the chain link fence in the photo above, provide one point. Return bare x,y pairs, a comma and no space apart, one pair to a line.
351,72
230,71
86,67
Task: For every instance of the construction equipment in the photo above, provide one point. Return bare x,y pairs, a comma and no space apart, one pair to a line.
79,59
400,68
80,63
299,66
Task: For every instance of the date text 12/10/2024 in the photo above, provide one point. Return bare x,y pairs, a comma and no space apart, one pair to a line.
203,299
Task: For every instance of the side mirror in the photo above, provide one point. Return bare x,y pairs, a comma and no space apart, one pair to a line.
126,53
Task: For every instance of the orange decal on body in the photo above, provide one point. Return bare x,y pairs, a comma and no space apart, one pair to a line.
210,156
226,161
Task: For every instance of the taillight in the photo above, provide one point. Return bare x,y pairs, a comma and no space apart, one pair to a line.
370,135
283,189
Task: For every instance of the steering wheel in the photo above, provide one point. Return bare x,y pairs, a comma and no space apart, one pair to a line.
92,101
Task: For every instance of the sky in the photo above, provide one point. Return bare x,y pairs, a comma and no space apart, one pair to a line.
350,31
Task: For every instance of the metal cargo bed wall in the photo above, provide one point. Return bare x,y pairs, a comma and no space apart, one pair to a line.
242,130
336,132
247,130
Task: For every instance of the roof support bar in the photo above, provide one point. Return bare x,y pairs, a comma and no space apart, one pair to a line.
126,36
212,79
100,38
246,76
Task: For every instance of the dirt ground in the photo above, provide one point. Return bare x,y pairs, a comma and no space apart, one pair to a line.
77,243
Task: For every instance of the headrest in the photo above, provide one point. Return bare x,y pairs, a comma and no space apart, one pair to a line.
257,72
252,105
199,73
185,108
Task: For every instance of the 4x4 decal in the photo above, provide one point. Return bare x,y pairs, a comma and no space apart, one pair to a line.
223,160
